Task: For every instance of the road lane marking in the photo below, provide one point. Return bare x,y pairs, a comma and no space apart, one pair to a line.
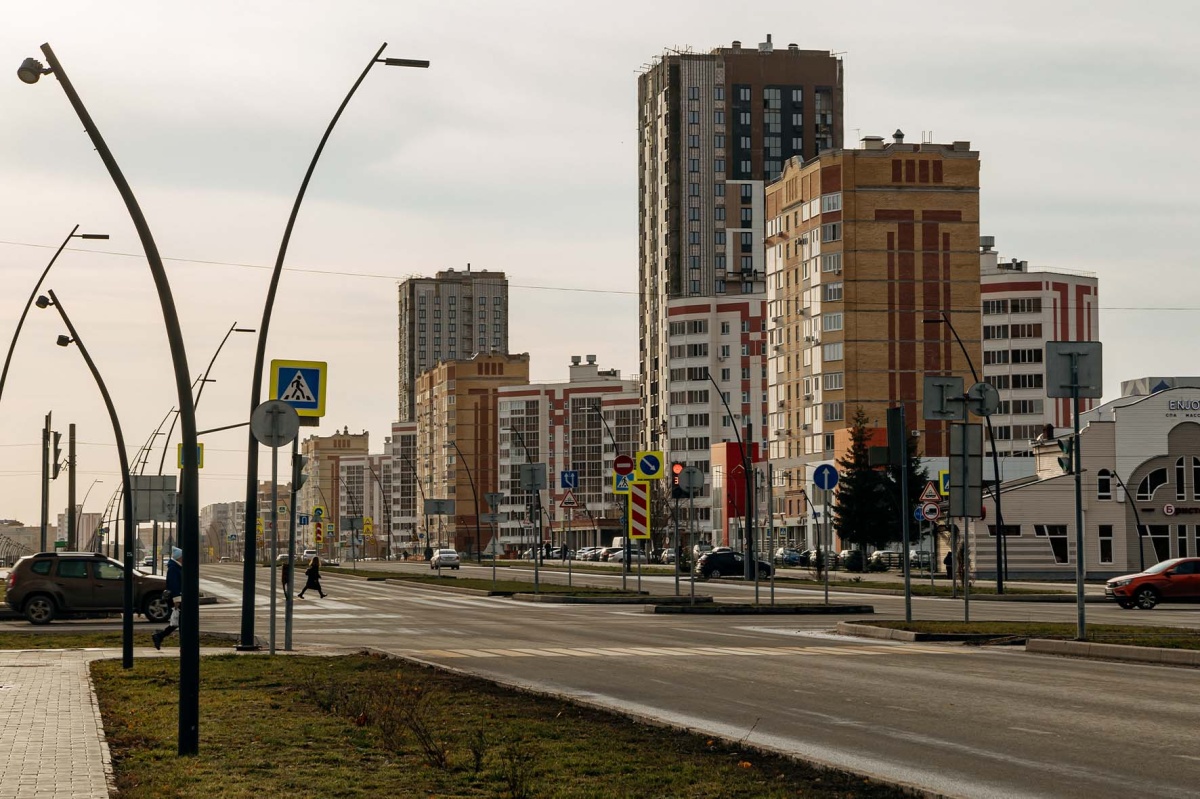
1037,732
644,652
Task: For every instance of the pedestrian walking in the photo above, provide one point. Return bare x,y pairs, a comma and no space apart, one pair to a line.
314,578
565,551
285,574
171,596
948,562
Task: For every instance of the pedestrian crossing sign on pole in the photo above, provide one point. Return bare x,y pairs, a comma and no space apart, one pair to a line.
621,483
300,384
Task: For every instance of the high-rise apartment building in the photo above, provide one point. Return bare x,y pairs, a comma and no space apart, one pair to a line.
456,447
407,492
564,425
867,249
713,128
451,316
1024,308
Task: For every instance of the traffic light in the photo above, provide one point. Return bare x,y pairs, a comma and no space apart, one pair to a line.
1066,460
298,475
57,461
677,491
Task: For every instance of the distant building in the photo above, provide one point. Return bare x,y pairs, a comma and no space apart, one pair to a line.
218,522
366,485
1023,309
323,488
451,316
458,426
408,493
713,128
568,427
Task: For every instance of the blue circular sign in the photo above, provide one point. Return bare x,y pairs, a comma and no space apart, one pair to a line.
825,477
649,464
919,514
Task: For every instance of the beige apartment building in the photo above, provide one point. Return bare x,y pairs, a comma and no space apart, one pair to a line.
324,485
456,444
866,250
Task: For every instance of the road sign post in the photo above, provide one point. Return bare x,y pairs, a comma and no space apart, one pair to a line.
825,477
274,424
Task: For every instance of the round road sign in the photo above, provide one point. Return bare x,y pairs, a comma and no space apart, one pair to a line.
931,512
623,464
274,423
825,476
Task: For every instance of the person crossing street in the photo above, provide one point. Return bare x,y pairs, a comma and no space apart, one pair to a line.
171,596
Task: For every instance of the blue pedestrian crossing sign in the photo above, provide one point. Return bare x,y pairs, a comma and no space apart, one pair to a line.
300,384
621,483
568,478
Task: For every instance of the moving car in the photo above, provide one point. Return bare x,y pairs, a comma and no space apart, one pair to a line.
1174,580
48,585
445,559
728,564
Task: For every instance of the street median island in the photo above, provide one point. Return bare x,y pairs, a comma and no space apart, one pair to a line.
612,599
726,608
368,725
478,586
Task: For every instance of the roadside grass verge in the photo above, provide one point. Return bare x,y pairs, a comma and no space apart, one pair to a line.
480,584
920,585
1166,637
43,638
368,726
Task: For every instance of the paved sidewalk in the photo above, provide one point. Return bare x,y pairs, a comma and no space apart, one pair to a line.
51,739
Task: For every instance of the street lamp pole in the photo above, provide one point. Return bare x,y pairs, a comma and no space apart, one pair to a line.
189,644
387,509
33,295
248,573
417,479
1137,519
1001,543
474,494
127,611
79,513
747,465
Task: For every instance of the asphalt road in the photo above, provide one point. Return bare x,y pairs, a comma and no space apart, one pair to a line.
962,721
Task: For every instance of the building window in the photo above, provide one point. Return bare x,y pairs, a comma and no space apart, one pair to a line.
694,214
828,442
831,292
693,141
1057,535
718,189
747,242
831,202
719,286
719,141
693,165
1027,356
1182,549
832,352
995,331
719,93
747,217
693,117
835,411
1106,543
831,232
831,262
1195,478
725,328
719,238
994,356
1027,305
1150,484
693,92
1103,484
719,117
995,307
724,350
832,381
719,166
1180,487
694,237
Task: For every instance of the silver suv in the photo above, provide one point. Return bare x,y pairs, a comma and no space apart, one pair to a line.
52,584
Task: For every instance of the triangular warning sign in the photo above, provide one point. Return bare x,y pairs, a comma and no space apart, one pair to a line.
568,500
930,494
298,390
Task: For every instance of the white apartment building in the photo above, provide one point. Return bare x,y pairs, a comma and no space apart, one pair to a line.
1023,308
580,426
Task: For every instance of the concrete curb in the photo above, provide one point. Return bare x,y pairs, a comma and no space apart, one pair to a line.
601,599
762,610
888,634
1122,652
8,614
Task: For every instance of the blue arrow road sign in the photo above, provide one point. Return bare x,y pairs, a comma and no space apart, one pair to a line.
825,477
918,514
649,464
302,519
568,478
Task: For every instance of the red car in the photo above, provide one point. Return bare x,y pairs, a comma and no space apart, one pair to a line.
1175,580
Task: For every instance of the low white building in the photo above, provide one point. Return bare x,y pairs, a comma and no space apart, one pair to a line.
1149,443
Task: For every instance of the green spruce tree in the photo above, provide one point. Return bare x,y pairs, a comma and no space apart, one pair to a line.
860,507
918,475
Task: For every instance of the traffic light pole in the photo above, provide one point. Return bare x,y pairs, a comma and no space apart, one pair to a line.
1077,463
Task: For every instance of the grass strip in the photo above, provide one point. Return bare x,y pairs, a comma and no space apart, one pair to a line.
368,726
1129,635
920,586
49,639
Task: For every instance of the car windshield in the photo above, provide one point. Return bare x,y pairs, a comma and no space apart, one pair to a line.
1159,568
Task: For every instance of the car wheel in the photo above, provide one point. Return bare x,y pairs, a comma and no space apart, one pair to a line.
1126,605
40,609
715,573
156,609
1146,598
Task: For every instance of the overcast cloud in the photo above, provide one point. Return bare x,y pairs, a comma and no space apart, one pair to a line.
514,152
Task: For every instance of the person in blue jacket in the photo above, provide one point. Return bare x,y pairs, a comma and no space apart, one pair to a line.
171,595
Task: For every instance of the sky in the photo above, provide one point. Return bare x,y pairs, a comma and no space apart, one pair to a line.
515,151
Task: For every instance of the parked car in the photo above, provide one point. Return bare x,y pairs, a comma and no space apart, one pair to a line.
148,561
920,558
308,555
48,585
606,552
851,560
728,564
1174,580
882,559
635,556
787,556
445,559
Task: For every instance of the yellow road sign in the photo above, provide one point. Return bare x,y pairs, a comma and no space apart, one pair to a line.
199,455
649,465
300,384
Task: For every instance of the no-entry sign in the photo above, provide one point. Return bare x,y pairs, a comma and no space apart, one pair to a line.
623,464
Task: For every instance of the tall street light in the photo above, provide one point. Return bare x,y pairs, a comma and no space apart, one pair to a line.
127,611
36,286
747,470
474,494
86,494
1137,519
1001,544
189,645
248,573
420,487
387,509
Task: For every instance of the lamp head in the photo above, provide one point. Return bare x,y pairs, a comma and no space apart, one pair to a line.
91,235
31,70
404,62
43,301
935,321
65,341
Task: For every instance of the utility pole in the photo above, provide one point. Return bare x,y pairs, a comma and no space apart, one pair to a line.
72,516
45,482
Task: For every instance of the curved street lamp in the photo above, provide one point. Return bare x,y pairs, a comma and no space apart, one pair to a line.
248,573
474,493
189,643
747,470
33,294
1137,518
420,487
127,611
79,512
387,509
1001,543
